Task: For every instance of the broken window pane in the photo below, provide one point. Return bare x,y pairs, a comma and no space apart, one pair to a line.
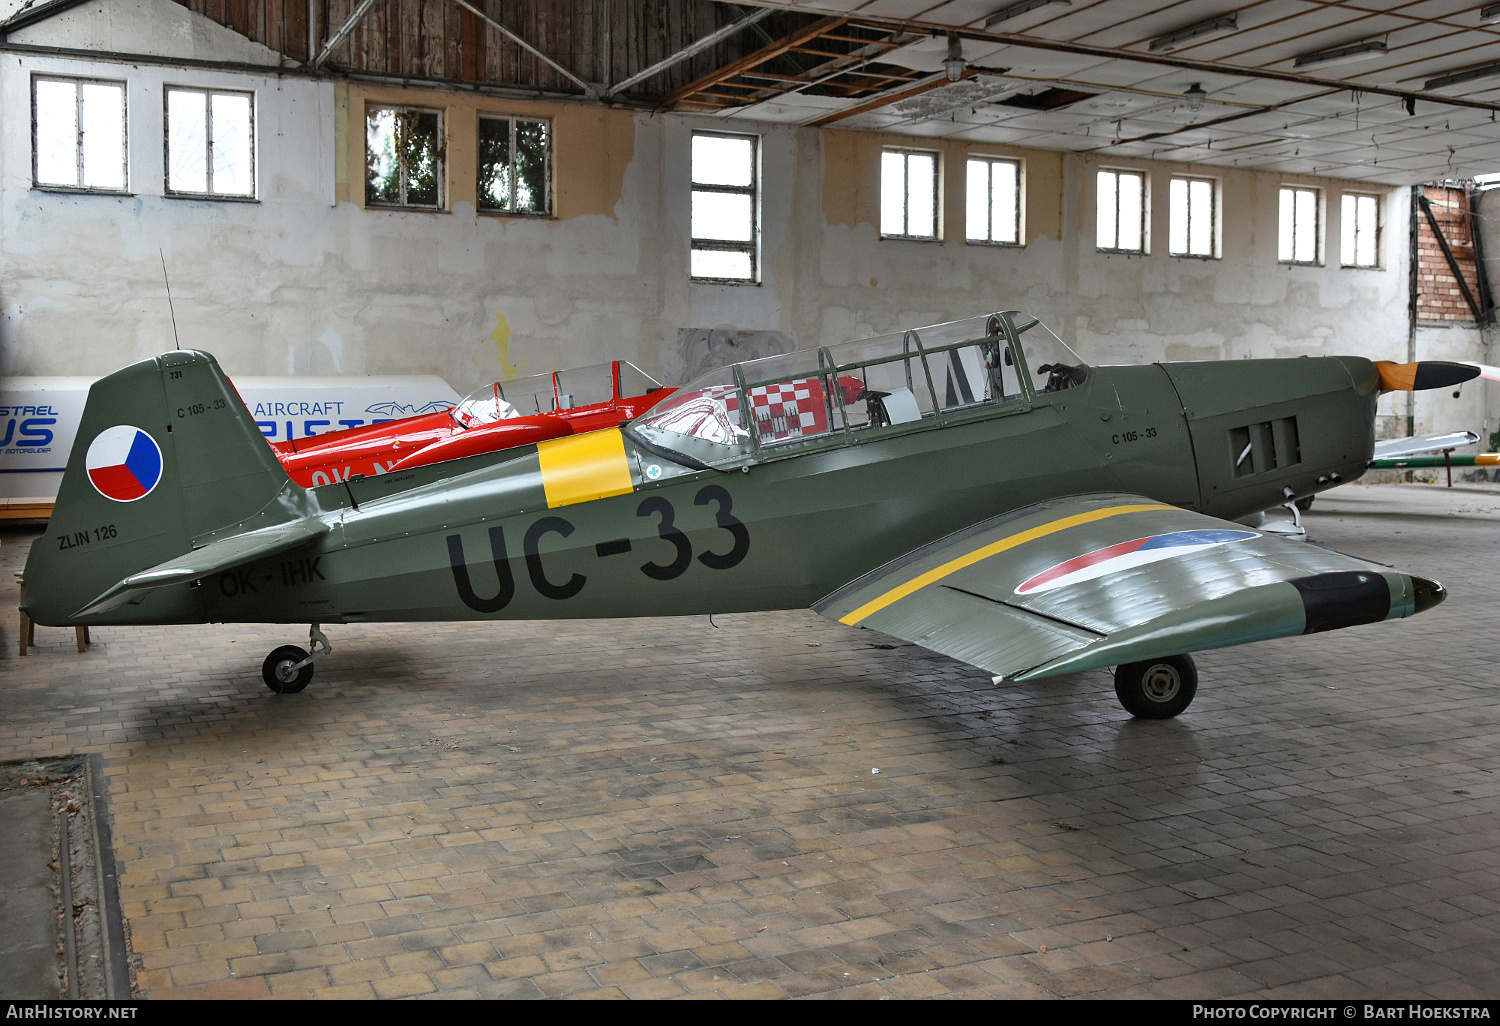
403,157
79,128
724,199
513,165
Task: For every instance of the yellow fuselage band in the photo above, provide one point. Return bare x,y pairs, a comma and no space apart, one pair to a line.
580,468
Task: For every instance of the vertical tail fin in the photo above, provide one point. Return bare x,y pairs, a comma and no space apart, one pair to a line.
167,460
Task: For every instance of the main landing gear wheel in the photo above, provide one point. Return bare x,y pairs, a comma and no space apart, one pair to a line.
1157,689
282,673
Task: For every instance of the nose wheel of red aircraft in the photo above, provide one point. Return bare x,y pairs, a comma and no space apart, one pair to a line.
288,669
1157,689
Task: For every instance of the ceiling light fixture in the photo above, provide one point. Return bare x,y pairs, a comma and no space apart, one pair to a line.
1490,13
1343,54
1465,75
954,63
1172,40
1194,97
1024,7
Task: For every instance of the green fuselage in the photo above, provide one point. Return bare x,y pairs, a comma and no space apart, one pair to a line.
476,538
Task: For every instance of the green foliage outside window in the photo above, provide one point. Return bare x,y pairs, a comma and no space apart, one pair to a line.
403,157
513,166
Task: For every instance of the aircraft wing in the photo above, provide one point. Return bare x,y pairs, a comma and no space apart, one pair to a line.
211,558
1103,579
1390,448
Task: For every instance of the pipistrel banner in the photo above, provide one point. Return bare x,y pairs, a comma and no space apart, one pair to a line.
39,416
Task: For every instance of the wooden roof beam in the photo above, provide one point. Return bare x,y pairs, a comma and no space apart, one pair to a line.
760,56
885,99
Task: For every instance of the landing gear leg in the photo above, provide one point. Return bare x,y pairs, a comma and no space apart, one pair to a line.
288,668
1157,689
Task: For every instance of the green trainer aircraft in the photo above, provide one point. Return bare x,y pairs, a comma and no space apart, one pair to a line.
972,487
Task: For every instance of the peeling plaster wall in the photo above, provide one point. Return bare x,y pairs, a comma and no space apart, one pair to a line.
307,281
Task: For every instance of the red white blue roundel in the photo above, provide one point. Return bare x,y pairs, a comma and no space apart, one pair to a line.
1125,555
124,463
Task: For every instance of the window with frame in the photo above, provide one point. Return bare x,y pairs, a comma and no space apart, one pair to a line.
1299,225
515,166
210,142
403,157
78,134
1192,216
1361,231
725,201
1120,224
909,194
992,209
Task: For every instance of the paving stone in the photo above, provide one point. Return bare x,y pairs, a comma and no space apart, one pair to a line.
664,808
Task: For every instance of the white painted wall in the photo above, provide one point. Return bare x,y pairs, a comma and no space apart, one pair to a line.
304,282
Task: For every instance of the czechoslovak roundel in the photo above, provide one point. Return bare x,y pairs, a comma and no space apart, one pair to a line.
124,463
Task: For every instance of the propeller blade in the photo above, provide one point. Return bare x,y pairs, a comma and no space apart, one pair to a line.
1425,374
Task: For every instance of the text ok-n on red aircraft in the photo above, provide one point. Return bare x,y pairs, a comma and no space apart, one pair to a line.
972,487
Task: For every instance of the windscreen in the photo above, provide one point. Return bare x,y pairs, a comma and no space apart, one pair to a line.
584,386
635,382
481,407
706,411
1054,367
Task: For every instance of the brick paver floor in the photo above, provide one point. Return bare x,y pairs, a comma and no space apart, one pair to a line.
775,805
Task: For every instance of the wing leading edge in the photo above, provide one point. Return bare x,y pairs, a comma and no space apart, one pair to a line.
1100,580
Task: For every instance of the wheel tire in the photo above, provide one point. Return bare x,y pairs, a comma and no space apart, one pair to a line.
1157,689
277,668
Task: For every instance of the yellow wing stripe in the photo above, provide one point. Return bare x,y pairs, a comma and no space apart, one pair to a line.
898,593
579,468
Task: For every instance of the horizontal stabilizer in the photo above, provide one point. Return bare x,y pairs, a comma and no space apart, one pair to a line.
1425,374
1389,448
221,555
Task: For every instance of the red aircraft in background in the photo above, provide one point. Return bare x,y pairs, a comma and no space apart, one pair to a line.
497,416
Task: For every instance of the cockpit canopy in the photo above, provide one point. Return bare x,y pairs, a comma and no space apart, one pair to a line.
905,377
553,392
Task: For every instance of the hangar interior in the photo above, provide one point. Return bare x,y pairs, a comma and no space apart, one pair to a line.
297,263
487,189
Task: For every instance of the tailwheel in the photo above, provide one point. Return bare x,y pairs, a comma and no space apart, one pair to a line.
1157,689
286,670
